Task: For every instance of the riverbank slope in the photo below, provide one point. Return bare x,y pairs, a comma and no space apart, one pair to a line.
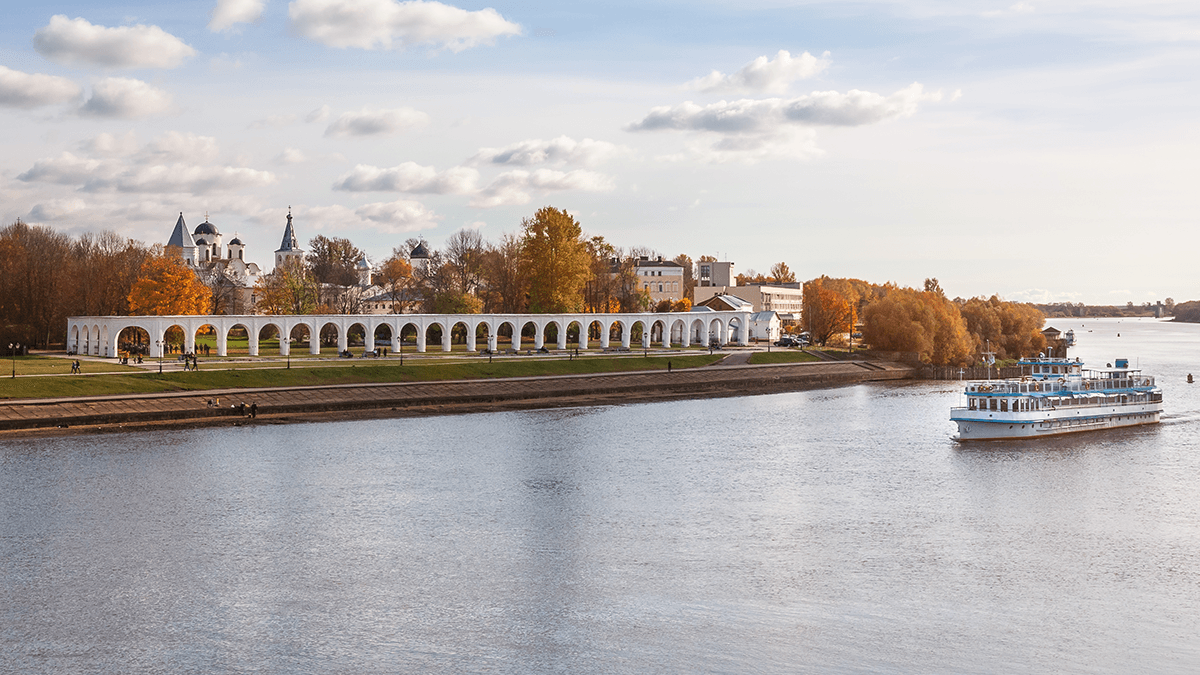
350,401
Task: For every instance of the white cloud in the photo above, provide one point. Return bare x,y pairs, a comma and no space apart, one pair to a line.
561,150
409,177
66,169
319,115
185,146
75,42
376,122
111,145
30,90
230,12
763,75
388,24
125,98
55,210
854,108
182,178
291,156
513,187
144,172
398,216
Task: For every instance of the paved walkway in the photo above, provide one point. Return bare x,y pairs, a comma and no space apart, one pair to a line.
448,396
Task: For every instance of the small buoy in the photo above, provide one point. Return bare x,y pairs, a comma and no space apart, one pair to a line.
1189,378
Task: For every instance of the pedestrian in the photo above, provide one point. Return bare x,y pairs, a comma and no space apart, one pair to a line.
253,410
668,366
242,408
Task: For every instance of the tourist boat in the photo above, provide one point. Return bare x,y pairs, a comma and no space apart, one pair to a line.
1058,396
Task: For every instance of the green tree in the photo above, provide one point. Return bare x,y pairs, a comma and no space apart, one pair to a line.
555,258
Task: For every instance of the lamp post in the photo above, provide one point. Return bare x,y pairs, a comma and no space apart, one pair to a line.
401,341
12,351
288,342
160,350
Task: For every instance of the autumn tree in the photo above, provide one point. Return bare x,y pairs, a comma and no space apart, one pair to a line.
925,322
289,289
781,274
555,259
825,312
167,287
394,276
689,274
505,288
464,257
1011,329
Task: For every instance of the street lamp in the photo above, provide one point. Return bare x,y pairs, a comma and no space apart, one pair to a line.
12,351
288,341
160,350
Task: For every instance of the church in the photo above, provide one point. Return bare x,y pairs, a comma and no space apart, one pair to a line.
223,267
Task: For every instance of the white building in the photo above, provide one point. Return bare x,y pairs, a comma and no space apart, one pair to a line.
219,266
787,301
662,279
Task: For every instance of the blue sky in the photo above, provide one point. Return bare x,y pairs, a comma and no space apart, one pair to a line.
1042,151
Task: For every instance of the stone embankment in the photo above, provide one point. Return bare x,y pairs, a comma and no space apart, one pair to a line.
421,398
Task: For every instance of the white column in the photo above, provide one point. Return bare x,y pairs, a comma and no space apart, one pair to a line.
447,345
343,339
252,334
369,340
584,327
516,336
539,337
314,338
563,325
604,333
471,337
491,341
626,334
421,338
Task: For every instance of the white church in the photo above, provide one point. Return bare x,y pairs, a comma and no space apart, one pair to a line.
224,266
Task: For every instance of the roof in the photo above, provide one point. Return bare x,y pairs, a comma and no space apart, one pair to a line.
701,308
179,236
205,228
289,237
419,252
362,264
236,242
656,263
732,301
763,316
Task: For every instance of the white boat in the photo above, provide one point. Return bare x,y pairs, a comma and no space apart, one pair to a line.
1058,396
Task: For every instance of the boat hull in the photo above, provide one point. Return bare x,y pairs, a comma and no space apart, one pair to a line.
998,429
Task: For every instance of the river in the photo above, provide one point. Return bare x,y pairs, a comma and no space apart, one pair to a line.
834,531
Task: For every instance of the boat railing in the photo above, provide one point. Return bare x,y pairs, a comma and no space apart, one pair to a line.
1052,385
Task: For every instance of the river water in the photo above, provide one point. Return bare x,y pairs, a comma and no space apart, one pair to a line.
836,531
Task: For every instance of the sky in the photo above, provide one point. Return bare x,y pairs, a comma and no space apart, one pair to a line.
1042,151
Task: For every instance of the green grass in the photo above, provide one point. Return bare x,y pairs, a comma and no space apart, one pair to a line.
790,356
357,373
48,365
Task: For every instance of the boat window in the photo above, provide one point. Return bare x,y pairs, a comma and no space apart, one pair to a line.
1003,405
1054,370
992,404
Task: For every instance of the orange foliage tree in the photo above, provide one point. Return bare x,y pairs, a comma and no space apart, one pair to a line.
826,312
167,287
1012,329
925,322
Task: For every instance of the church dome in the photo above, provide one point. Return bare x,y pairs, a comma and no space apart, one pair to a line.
362,264
206,228
419,252
236,242
202,242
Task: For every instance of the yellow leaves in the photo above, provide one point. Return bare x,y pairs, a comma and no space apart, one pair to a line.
826,312
908,320
167,287
555,259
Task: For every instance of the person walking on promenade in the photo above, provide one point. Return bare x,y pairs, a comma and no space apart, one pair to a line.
253,410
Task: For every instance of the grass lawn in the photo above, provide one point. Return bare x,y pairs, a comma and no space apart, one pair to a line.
790,356
48,365
362,372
